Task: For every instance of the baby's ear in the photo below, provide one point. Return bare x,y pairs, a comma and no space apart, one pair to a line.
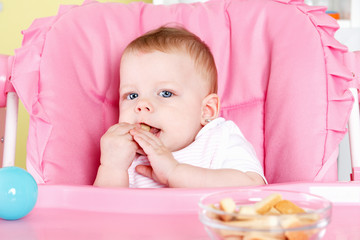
210,108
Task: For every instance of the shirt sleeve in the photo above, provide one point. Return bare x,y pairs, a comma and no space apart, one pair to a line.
240,154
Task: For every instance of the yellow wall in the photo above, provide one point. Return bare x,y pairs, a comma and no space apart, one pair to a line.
17,15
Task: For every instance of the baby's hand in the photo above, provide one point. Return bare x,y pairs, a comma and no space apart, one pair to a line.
117,147
161,159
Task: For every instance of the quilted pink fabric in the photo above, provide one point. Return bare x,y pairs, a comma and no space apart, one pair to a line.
281,79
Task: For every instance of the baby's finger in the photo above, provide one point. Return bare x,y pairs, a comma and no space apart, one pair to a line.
113,128
139,150
149,146
121,128
145,170
148,136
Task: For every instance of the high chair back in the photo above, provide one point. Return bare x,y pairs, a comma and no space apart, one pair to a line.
283,79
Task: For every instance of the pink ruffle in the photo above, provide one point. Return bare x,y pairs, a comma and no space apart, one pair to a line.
339,80
339,77
26,75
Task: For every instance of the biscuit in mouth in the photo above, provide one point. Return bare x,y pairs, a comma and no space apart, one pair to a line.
153,130
145,127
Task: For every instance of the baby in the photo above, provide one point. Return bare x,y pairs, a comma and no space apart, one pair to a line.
169,133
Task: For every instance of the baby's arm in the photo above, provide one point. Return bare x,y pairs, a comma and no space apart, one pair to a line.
196,177
166,170
117,152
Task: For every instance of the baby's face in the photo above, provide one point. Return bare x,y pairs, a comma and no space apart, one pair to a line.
164,91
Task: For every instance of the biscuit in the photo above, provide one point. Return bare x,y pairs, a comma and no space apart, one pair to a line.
273,211
145,127
263,223
287,207
264,215
227,205
260,223
267,203
298,235
294,222
263,236
247,212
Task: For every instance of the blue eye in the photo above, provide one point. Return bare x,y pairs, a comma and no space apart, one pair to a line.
166,94
132,96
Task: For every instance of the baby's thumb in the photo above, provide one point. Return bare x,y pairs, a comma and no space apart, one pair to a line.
144,170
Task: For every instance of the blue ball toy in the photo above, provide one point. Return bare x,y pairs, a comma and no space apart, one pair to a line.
18,193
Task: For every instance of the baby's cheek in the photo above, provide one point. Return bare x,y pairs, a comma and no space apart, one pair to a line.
125,116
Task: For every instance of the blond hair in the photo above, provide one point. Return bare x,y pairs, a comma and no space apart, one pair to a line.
168,39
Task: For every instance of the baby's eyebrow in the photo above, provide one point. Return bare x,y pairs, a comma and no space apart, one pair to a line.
126,88
168,84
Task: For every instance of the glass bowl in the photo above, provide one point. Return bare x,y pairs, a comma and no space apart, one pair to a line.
245,224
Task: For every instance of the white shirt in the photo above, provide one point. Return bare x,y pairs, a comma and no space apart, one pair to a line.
218,145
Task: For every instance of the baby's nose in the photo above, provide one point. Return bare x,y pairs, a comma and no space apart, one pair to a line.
144,106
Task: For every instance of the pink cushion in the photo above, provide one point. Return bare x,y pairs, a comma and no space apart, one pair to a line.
281,79
4,79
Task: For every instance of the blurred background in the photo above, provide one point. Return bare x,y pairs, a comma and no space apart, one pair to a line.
17,15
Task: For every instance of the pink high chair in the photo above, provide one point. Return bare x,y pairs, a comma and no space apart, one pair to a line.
283,78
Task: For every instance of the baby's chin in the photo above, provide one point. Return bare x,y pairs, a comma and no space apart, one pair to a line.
170,139
176,146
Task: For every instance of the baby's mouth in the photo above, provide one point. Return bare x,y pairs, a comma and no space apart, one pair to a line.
153,130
